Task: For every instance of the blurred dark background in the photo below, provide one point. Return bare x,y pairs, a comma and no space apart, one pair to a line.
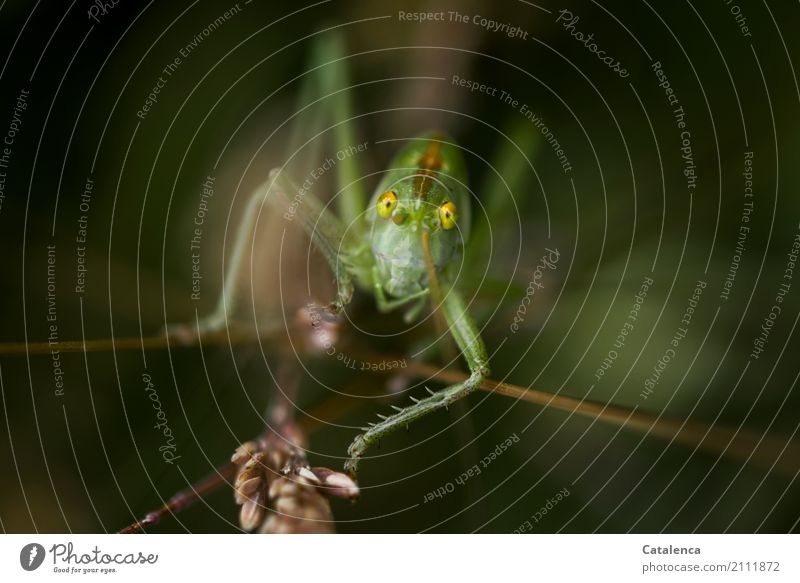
87,460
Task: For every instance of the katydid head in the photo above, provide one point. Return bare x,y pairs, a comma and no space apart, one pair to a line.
400,219
419,215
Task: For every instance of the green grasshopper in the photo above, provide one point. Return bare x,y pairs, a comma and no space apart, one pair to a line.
403,245
402,248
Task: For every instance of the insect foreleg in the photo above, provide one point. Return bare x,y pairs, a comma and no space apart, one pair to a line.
326,231
387,305
469,342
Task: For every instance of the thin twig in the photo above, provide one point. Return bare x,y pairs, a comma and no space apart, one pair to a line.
232,336
743,445
720,440
222,475
330,408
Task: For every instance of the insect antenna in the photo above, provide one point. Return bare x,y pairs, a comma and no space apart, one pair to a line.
436,298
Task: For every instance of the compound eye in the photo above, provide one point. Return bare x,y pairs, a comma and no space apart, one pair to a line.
387,202
448,215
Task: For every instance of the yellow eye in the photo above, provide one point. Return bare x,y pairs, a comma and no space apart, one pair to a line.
448,215
386,204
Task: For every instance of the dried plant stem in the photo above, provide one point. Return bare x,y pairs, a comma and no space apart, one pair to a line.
222,475
743,445
233,336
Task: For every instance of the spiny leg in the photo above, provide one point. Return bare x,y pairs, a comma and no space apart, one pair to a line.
469,342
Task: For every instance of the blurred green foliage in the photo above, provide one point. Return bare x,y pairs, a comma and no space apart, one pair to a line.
89,460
